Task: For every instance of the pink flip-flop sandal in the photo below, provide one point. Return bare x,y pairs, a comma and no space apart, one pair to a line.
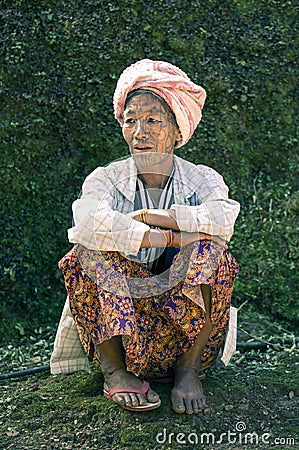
143,390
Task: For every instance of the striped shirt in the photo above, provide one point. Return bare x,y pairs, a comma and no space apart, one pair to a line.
143,200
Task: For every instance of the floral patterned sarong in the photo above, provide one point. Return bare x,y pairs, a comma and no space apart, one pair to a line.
159,318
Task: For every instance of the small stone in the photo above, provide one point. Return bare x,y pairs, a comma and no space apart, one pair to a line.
12,433
243,407
291,395
209,410
228,407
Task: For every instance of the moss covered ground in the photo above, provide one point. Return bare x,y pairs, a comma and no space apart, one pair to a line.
253,403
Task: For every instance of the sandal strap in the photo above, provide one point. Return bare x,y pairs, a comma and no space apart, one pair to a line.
143,390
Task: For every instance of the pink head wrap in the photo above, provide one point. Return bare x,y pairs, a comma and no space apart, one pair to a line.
184,98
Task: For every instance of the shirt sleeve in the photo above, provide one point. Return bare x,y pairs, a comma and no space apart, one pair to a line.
215,213
97,225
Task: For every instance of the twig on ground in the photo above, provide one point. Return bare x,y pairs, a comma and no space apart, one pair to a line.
21,373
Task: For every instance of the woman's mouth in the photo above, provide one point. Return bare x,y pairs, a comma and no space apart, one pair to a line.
143,148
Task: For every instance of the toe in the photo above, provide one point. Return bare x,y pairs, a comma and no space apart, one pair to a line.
201,403
140,399
177,403
122,399
152,396
136,400
179,408
189,406
195,406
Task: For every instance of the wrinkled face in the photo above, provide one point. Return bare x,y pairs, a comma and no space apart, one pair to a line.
148,126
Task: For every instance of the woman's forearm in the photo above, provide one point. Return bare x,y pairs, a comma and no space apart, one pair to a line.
154,238
164,218
158,238
183,238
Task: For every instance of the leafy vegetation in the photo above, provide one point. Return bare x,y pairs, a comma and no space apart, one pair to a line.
59,66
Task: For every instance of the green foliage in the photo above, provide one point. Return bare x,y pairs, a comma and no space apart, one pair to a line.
268,235
59,66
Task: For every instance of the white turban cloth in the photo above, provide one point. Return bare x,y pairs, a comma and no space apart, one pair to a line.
185,98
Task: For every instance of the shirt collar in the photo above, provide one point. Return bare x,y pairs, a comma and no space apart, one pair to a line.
185,177
123,175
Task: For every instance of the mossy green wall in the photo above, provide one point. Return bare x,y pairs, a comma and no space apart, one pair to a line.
60,61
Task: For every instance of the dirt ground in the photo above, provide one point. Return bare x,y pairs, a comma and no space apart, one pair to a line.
252,403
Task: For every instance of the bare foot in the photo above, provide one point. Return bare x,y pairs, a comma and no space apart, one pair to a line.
121,378
187,394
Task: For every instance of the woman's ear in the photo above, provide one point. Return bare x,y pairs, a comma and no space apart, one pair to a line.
178,137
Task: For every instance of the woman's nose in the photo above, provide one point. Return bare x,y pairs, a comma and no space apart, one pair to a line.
141,129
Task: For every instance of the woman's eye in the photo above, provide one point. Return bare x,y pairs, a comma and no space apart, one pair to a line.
129,121
152,120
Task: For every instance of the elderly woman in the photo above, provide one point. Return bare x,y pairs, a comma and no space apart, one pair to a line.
150,278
